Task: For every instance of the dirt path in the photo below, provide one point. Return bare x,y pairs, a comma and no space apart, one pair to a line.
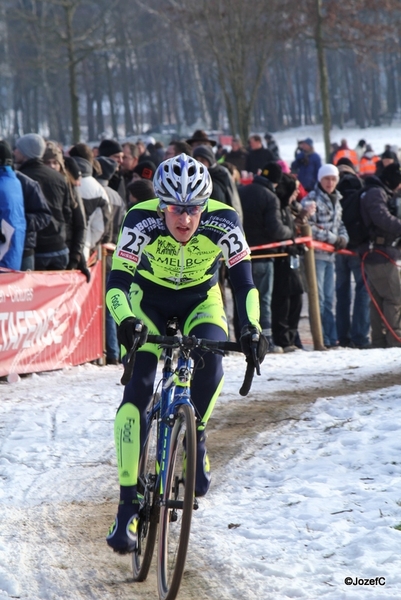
94,572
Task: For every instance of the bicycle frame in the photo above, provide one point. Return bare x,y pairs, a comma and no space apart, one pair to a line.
175,392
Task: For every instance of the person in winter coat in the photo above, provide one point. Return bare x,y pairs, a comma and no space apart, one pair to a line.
76,233
263,224
97,208
237,155
258,155
368,162
352,320
288,289
271,145
12,213
37,211
327,226
345,152
382,216
306,164
52,252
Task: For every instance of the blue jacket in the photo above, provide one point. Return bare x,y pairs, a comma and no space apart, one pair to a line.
12,219
307,166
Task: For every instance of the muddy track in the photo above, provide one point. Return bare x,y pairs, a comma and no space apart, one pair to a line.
95,572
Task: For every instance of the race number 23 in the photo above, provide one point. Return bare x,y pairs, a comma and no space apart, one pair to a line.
234,246
131,244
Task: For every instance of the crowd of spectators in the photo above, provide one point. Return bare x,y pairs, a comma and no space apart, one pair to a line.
57,205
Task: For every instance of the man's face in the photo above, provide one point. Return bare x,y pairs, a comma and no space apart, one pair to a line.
254,144
170,152
204,161
235,145
18,157
182,227
329,183
117,157
129,162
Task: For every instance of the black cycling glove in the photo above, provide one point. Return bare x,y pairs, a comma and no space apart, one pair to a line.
129,329
250,336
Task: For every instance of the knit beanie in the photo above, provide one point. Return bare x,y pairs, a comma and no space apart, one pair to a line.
31,145
108,166
141,189
345,161
109,147
6,155
272,171
84,166
391,176
145,169
205,152
327,170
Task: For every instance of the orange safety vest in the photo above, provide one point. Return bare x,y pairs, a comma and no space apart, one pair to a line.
346,153
367,166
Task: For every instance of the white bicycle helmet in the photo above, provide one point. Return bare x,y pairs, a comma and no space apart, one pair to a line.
182,180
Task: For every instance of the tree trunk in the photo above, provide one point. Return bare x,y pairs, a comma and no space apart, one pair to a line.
324,80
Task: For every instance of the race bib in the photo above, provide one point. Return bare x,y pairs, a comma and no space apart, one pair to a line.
131,244
234,246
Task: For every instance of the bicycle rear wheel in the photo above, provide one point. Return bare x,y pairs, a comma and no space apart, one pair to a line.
149,513
177,505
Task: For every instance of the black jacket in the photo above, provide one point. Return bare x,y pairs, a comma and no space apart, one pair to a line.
263,222
37,212
55,189
257,159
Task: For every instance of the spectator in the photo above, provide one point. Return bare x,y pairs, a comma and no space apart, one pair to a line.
345,152
306,164
360,149
112,149
76,233
144,170
139,191
327,226
271,145
237,155
156,152
258,155
143,152
130,161
352,321
12,213
176,147
200,138
224,188
97,207
368,162
288,289
387,158
263,225
117,204
381,253
52,251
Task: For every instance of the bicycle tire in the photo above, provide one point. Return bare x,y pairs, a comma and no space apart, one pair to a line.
149,513
175,524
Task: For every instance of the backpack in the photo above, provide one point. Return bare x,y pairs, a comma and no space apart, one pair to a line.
357,230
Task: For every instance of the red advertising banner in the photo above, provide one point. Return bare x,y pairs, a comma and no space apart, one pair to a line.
49,320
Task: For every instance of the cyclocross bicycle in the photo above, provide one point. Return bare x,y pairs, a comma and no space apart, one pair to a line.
166,477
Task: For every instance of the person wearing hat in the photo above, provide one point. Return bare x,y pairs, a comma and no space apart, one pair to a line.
380,213
113,149
263,224
51,252
144,170
200,138
387,158
12,213
306,164
139,191
327,226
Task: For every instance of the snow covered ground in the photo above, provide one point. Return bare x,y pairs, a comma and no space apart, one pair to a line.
308,504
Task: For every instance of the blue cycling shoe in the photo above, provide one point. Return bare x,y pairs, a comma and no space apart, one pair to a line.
123,533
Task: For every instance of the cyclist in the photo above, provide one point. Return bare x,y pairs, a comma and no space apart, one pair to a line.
166,265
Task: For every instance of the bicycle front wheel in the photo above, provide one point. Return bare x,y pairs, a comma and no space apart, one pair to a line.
177,504
149,513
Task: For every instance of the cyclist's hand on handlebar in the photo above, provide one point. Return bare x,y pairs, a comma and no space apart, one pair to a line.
253,343
129,329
